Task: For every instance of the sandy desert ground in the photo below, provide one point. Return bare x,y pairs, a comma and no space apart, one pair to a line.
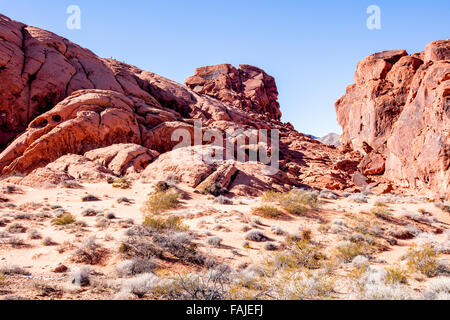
39,258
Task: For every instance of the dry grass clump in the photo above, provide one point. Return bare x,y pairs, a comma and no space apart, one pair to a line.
161,201
122,183
299,254
381,210
423,259
135,266
214,241
33,234
347,250
165,244
90,252
300,286
267,211
10,270
396,274
255,235
64,220
16,228
295,201
173,223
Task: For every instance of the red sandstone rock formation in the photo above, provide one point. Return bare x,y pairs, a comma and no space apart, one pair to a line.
398,115
247,87
59,101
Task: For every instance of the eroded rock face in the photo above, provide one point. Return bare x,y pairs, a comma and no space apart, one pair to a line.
397,114
247,87
58,99
202,166
123,159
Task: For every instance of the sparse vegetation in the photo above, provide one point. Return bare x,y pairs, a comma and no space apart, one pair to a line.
423,259
64,220
255,235
347,250
90,252
173,223
122,183
395,274
214,241
267,211
381,210
295,202
162,201
16,228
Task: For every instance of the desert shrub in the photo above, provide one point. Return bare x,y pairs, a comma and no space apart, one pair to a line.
267,211
122,200
89,252
277,230
255,235
89,198
270,196
339,222
64,220
122,183
173,223
34,234
368,283
81,277
295,201
299,254
269,246
16,242
298,286
214,189
146,243
423,259
381,212
10,270
135,266
396,274
102,222
90,212
214,241
223,200
358,198
162,201
439,285
328,194
141,285
16,228
209,286
360,262
47,241
347,250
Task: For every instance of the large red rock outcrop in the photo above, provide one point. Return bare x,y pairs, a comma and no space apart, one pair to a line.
59,99
247,87
397,114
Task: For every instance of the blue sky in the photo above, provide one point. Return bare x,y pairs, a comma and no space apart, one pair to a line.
310,47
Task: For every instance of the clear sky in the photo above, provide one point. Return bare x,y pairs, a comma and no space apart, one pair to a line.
310,47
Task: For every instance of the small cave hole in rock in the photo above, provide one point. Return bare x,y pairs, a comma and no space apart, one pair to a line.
57,118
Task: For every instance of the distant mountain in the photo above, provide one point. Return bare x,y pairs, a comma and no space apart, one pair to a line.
331,139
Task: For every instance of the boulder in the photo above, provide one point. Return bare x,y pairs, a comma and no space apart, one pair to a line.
397,114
